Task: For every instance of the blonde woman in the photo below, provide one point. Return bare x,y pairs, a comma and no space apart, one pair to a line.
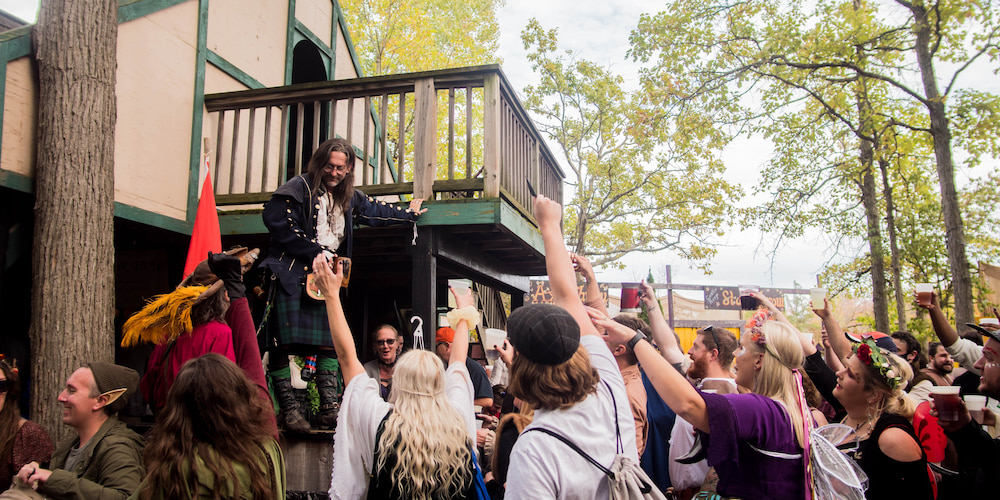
755,441
418,444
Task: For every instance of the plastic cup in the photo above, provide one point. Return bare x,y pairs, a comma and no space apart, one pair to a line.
924,293
630,297
947,402
817,295
748,303
460,287
975,402
493,337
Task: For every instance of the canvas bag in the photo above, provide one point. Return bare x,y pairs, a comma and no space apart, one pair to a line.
626,479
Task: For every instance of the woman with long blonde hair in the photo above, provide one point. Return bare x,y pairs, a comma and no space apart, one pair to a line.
757,442
418,444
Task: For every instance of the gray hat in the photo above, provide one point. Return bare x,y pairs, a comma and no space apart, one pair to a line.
543,333
110,377
995,335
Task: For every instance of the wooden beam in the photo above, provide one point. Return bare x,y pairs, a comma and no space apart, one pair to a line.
424,139
479,266
491,135
424,283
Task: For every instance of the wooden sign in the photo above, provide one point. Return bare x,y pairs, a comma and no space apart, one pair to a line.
540,293
728,297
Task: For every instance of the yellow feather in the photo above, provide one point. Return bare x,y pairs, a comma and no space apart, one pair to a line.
164,318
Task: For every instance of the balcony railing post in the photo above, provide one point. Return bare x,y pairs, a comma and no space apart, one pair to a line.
491,135
424,138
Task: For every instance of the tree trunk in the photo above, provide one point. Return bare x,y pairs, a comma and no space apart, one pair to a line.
958,261
868,199
890,223
72,295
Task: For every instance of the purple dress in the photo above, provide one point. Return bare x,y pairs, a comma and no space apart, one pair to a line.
753,448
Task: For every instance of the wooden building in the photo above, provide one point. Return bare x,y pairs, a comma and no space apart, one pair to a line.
249,87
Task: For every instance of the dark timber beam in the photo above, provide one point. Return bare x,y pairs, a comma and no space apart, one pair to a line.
425,283
479,267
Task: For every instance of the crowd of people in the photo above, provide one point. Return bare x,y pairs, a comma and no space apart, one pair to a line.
590,404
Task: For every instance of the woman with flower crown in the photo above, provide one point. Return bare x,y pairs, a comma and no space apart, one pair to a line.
870,389
756,441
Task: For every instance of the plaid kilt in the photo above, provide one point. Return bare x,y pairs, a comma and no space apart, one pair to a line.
299,320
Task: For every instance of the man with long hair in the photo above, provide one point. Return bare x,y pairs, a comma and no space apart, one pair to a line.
314,213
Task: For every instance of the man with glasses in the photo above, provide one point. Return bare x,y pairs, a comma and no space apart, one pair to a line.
315,213
711,360
387,343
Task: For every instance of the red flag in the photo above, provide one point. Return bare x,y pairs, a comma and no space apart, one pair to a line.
206,235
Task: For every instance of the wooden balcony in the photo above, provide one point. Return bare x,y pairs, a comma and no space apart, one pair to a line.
458,138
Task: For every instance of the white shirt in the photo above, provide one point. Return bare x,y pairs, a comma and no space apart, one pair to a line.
361,412
330,226
683,476
543,467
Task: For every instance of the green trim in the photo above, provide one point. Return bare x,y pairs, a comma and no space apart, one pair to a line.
16,181
198,115
309,35
350,43
231,70
242,222
289,42
134,9
152,218
516,222
333,38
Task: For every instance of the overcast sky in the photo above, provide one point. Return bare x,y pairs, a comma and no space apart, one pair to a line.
598,31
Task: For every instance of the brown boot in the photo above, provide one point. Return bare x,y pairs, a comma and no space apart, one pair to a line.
291,418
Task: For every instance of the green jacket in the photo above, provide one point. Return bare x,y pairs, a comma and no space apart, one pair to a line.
205,487
111,468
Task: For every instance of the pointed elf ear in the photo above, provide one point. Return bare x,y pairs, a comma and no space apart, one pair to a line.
112,395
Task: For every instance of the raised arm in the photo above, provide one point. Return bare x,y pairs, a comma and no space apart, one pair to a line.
841,346
662,334
329,282
562,278
672,387
460,344
593,290
805,340
942,327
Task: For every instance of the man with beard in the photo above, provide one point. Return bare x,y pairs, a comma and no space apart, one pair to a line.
387,343
712,357
974,444
315,213
937,372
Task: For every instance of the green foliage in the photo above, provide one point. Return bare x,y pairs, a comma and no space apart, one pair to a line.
816,80
643,180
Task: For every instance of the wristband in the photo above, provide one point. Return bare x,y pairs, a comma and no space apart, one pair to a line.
635,340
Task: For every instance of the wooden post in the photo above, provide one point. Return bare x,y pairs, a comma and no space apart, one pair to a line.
670,300
424,286
491,135
424,139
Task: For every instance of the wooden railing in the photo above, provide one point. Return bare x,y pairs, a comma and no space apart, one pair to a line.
457,132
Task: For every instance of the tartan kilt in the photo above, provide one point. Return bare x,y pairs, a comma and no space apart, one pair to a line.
300,320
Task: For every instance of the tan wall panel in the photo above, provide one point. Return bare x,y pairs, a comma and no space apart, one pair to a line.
20,118
155,90
317,15
251,34
345,66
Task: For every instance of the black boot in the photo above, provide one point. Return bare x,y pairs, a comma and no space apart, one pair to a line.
291,413
328,386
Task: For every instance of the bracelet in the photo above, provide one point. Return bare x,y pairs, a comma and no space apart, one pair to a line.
467,313
635,340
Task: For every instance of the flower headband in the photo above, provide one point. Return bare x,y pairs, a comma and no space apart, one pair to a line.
755,325
870,355
755,329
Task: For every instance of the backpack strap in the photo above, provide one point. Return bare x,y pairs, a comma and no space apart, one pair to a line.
573,446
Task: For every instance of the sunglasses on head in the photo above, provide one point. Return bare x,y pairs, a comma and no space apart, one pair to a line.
711,330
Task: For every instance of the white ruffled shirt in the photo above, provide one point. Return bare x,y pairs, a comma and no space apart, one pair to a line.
330,225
